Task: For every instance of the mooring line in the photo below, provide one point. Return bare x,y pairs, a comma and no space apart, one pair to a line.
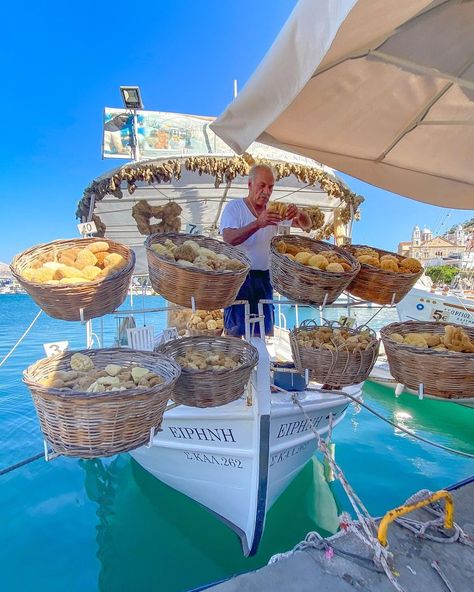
22,463
399,427
20,340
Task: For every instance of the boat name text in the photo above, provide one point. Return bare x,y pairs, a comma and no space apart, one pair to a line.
223,461
286,454
465,315
215,435
296,427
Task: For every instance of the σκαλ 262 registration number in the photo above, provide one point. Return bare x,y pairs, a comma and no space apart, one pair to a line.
214,459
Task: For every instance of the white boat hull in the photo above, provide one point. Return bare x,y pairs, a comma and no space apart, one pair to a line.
421,305
237,459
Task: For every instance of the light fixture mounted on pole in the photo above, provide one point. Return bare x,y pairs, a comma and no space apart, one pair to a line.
131,97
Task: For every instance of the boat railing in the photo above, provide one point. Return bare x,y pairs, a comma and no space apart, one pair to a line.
350,303
250,319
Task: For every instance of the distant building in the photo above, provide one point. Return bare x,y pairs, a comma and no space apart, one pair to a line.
404,248
460,235
449,249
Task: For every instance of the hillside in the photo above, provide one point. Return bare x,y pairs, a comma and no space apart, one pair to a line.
465,224
5,270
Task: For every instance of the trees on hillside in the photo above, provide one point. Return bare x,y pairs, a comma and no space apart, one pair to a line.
465,224
442,274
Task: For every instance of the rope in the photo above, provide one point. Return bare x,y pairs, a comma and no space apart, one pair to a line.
383,307
401,428
436,567
381,554
20,340
420,528
368,535
463,305
314,540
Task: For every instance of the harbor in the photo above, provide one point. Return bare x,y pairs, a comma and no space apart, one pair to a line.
94,504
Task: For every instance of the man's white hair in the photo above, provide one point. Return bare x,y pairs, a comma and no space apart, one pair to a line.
259,167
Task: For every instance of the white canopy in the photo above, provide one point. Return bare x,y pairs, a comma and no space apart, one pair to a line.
380,89
109,199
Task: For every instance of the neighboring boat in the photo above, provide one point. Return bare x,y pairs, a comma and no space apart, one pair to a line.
421,305
238,458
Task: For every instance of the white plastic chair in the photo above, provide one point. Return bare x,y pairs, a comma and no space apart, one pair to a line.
141,338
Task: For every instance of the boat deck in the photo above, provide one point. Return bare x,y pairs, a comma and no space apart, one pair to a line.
309,570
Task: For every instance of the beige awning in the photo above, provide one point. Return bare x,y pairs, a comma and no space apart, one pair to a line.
380,89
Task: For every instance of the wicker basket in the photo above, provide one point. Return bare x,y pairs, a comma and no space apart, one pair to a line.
205,332
211,388
338,367
444,374
179,317
304,284
380,286
88,425
178,284
65,302
217,315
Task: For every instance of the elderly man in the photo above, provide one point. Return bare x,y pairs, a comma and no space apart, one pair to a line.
248,224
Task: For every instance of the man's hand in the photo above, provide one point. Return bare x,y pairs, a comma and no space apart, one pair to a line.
299,217
303,220
291,212
268,218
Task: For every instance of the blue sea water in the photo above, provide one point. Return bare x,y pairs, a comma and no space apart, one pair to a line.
107,525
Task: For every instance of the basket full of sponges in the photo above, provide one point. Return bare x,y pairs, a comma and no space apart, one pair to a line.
214,370
334,355
438,356
100,402
77,279
310,271
206,322
195,271
384,277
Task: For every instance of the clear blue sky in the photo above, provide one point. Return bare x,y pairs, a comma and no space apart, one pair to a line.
62,63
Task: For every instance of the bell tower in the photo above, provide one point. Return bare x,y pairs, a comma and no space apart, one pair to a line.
460,236
416,236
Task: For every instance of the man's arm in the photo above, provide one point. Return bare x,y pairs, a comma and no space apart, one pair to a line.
236,236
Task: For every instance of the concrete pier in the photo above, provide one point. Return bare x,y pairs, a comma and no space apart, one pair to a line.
351,567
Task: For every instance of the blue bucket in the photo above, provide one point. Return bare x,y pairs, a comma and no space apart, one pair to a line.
289,381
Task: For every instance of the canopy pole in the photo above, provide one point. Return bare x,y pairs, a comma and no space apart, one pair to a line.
219,209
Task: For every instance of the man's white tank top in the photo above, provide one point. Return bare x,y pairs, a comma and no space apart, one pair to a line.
236,214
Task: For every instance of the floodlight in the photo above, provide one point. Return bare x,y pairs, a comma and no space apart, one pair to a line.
131,97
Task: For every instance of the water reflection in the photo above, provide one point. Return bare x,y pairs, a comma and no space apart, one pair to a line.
101,483
150,535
